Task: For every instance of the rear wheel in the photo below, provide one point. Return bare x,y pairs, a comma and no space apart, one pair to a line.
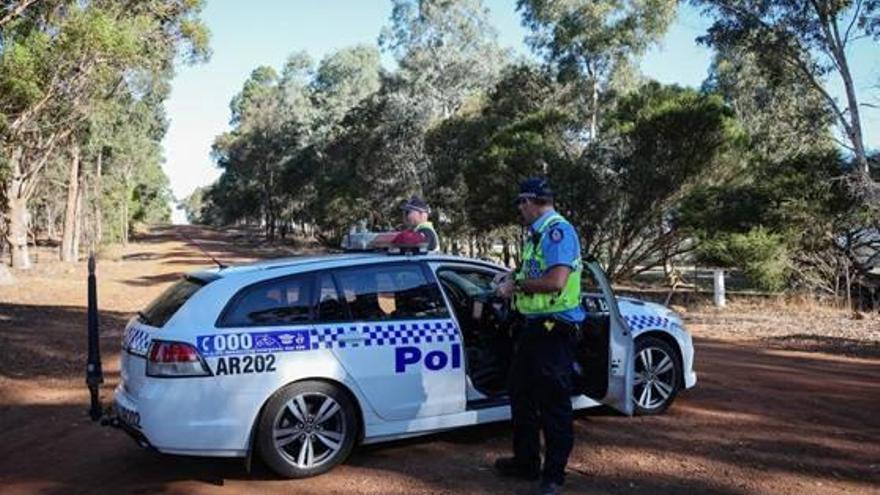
306,429
657,376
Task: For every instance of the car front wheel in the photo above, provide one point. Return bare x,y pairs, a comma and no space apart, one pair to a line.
306,429
657,376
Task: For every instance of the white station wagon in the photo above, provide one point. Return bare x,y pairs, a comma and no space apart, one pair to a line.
297,360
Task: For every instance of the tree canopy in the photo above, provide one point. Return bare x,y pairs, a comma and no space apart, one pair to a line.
759,169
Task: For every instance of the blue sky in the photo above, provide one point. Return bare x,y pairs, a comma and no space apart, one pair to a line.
263,32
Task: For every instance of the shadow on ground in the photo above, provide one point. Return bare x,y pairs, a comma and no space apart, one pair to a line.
830,345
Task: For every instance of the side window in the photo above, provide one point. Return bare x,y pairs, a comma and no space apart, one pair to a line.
591,293
390,291
470,282
330,305
589,282
282,301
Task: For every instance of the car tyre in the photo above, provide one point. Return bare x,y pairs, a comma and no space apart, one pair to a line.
306,429
657,376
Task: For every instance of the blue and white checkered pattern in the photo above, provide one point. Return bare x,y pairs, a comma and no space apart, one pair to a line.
136,341
382,334
642,322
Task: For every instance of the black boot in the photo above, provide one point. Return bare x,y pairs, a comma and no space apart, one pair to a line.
512,468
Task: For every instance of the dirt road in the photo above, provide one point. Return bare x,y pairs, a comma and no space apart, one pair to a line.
763,419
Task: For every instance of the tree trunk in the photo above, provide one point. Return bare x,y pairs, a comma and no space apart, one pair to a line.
122,224
78,217
125,222
16,229
838,48
17,214
99,227
126,198
837,285
68,252
16,11
50,222
855,124
594,112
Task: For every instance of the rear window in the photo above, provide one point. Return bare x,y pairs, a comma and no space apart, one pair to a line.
282,301
163,307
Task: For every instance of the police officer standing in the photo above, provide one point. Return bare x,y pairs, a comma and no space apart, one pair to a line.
546,290
415,214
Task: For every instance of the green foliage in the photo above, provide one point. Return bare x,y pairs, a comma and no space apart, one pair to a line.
803,38
477,157
447,52
342,81
620,192
342,141
151,196
661,143
92,76
761,255
256,93
592,44
869,20
800,199
781,112
194,205
280,123
741,173
513,152
595,33
21,69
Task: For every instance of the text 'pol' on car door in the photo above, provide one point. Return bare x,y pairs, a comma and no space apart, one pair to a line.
399,343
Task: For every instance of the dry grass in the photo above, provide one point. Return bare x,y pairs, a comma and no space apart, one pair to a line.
792,324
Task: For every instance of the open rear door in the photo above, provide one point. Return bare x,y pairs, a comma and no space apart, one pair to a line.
618,394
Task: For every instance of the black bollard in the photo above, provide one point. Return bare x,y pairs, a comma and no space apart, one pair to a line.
94,374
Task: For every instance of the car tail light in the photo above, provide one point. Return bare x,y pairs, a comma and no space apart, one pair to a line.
175,359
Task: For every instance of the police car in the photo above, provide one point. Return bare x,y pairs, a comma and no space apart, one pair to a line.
298,360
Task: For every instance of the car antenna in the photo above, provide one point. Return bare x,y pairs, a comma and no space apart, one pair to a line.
203,250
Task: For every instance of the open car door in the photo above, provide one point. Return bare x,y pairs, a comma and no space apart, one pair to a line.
605,353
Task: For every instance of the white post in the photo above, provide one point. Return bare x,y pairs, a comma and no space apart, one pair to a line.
719,288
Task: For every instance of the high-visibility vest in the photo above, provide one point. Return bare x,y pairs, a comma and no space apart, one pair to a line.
570,295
